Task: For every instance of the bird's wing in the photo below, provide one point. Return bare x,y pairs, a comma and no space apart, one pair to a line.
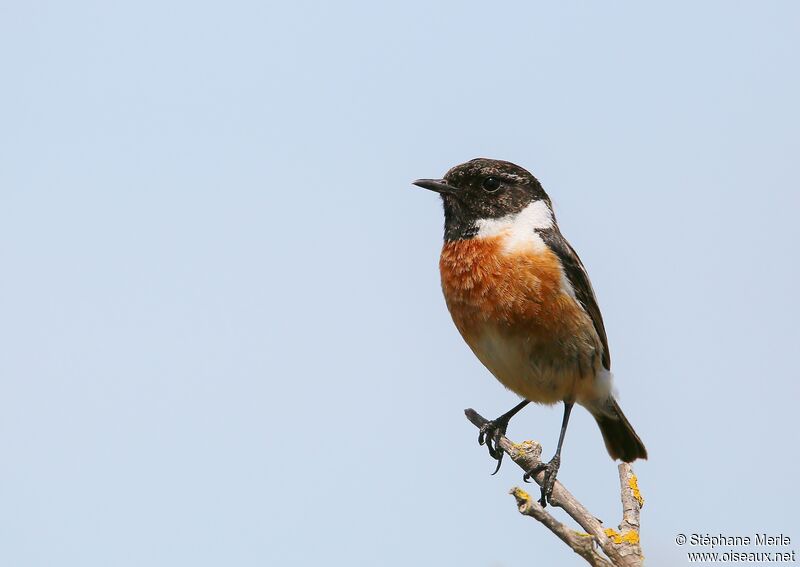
579,279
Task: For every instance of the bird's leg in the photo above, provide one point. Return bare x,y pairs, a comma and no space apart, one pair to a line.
491,432
551,469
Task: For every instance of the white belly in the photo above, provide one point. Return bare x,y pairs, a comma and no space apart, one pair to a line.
544,372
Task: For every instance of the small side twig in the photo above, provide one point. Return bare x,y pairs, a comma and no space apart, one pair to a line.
621,547
632,502
581,543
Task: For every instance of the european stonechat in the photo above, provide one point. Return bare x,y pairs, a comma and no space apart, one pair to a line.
521,299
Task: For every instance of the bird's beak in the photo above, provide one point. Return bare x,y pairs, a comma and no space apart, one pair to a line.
438,185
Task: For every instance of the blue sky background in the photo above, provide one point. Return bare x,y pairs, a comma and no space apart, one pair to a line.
223,338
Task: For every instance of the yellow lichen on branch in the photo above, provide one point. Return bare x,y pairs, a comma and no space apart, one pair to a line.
630,537
521,496
633,483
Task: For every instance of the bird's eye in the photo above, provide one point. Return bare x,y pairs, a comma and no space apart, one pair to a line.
491,184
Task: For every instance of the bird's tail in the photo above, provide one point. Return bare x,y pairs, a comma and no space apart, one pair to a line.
620,438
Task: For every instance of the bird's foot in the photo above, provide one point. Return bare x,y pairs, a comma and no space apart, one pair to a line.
489,435
550,471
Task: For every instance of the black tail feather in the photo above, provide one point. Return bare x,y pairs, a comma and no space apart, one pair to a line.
620,438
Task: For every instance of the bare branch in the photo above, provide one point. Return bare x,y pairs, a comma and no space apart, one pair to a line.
581,543
621,547
632,502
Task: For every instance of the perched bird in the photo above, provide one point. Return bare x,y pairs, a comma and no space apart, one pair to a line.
521,299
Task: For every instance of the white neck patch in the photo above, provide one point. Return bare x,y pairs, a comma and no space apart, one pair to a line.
518,230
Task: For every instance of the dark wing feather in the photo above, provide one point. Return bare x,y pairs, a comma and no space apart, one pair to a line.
577,276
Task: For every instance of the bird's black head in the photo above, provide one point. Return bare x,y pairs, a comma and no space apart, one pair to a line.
483,189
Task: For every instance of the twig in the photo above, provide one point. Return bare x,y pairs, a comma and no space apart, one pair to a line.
621,547
632,503
581,543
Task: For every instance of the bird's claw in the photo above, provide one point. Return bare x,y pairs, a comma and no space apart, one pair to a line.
489,435
550,471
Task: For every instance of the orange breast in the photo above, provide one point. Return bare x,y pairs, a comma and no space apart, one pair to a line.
521,291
